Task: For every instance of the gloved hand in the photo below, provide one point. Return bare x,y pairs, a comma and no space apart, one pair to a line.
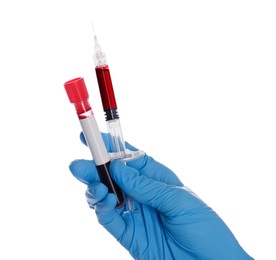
171,221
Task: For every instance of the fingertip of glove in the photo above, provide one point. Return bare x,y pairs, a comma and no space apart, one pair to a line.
82,138
123,175
117,169
116,162
130,147
74,167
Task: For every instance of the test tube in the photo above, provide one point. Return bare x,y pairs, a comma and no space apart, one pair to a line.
78,95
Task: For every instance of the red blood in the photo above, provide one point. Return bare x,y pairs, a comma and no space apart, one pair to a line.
106,88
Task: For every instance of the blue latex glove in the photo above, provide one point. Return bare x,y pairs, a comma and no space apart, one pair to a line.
171,221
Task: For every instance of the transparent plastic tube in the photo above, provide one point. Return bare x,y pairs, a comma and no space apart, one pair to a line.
116,139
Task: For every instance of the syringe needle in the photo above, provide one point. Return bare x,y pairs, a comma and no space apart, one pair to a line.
97,47
93,28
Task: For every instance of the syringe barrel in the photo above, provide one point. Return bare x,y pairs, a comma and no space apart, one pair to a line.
116,139
106,89
111,113
78,95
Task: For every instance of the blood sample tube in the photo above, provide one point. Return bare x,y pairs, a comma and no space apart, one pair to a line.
78,95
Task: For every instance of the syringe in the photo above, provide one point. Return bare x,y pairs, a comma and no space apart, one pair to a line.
78,95
118,149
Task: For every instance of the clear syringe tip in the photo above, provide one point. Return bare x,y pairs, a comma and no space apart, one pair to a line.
99,56
97,47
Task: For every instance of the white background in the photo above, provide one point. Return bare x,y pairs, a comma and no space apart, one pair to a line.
195,86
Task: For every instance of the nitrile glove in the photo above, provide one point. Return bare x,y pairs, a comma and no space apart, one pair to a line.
171,221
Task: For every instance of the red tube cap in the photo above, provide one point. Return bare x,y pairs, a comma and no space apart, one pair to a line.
76,90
